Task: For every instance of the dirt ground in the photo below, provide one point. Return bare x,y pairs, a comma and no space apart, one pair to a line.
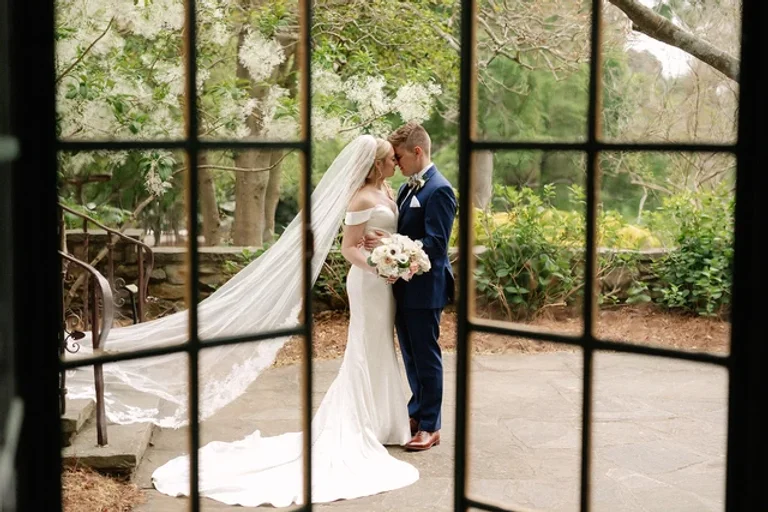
84,490
641,325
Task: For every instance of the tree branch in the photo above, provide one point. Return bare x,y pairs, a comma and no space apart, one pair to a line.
658,27
81,57
237,169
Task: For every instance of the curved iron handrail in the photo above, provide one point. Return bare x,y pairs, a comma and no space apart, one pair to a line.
106,293
143,271
99,333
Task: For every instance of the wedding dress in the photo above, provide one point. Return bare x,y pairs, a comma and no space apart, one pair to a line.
364,409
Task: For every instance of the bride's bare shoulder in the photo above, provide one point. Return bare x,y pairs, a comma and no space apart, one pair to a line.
362,200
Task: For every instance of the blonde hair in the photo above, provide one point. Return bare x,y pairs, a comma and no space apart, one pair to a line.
409,136
382,150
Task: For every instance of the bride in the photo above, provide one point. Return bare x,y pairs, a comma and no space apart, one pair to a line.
365,407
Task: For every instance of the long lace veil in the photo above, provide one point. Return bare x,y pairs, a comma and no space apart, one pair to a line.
263,296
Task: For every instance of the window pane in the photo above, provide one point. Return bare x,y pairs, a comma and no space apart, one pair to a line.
655,92
666,249
248,70
525,430
529,238
120,72
659,435
532,70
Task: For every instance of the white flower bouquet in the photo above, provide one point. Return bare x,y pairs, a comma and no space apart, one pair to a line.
399,257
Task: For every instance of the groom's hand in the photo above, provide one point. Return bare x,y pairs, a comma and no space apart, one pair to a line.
372,240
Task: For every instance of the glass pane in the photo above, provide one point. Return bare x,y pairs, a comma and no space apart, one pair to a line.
529,238
120,72
532,70
250,267
248,70
666,249
656,92
525,430
97,477
138,196
659,438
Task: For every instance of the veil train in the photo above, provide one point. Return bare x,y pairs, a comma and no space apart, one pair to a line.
265,295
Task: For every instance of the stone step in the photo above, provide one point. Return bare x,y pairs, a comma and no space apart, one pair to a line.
77,414
121,456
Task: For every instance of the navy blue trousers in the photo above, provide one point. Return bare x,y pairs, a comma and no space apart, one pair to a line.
418,331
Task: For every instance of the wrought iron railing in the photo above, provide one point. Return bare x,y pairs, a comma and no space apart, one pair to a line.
145,262
102,312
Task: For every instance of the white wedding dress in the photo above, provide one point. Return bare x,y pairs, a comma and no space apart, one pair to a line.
364,409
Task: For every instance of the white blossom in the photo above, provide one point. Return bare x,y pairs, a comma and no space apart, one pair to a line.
149,19
66,53
260,56
414,102
117,158
172,74
152,181
326,82
369,95
283,128
219,33
272,101
324,127
98,119
163,123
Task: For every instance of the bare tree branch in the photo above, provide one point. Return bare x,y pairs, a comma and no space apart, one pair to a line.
658,27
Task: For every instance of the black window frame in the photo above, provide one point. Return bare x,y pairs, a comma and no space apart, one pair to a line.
33,312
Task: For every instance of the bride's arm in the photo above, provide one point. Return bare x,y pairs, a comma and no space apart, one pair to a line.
353,233
350,250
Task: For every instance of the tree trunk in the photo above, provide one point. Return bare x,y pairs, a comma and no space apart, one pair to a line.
250,187
272,195
208,206
254,207
483,179
250,196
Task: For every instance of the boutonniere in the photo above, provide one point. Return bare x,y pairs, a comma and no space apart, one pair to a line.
416,183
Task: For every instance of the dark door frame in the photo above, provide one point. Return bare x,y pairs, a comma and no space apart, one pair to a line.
33,315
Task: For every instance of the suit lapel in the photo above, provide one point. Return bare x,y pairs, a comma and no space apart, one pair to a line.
404,195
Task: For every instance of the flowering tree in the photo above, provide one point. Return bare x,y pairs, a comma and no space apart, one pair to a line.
120,75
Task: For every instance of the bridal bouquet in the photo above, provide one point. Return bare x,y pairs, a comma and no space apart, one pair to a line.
399,256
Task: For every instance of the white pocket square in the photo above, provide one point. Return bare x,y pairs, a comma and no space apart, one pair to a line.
415,202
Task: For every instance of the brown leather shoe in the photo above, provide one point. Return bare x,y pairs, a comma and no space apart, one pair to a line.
414,426
423,440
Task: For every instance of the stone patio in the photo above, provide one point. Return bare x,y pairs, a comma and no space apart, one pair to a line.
659,436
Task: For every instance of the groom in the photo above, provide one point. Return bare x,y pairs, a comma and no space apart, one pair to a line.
427,208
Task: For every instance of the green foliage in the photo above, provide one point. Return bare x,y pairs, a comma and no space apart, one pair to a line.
696,277
242,260
330,286
527,263
367,38
534,258
106,214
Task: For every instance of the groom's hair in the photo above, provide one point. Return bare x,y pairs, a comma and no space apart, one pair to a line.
411,135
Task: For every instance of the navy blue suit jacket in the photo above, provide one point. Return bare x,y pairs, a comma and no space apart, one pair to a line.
431,223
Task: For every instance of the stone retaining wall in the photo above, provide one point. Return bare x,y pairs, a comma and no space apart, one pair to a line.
169,275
